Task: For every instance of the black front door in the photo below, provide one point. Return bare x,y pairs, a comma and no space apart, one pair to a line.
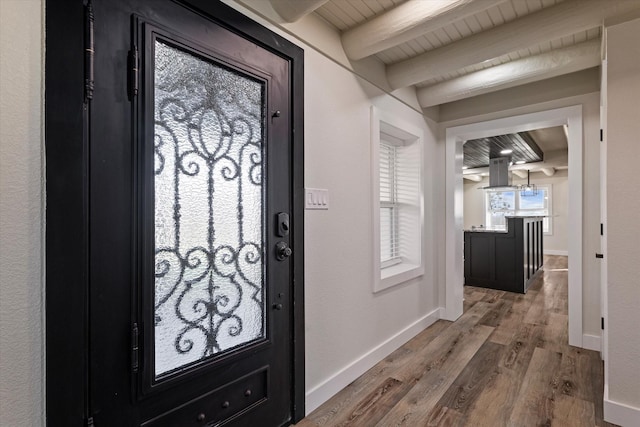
190,220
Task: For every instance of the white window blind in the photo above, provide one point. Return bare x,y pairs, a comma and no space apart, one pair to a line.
399,172
389,244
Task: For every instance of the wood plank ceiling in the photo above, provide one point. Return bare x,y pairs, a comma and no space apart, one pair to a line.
347,14
455,49
541,39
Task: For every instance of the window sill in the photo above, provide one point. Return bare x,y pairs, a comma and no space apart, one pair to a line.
397,274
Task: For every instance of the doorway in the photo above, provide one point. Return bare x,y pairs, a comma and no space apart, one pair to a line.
175,217
455,137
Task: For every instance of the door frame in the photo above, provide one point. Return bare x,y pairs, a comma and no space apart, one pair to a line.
67,112
455,138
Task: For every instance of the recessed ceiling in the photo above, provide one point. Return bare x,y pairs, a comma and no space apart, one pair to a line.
477,152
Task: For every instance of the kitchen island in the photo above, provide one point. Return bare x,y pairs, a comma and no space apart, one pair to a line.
508,259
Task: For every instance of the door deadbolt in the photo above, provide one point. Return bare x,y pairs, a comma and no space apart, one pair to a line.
283,251
282,224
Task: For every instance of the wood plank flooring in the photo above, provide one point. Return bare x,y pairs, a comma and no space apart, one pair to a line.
504,362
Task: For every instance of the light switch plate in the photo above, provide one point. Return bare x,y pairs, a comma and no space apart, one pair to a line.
316,198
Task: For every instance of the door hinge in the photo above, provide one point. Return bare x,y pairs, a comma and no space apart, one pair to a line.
602,323
601,135
600,256
601,229
89,422
89,52
134,347
134,71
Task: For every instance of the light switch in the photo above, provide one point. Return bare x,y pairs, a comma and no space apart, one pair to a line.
316,198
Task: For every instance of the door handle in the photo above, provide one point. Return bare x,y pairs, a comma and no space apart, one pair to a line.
283,251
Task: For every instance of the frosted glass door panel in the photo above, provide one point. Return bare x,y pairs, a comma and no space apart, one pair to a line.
209,227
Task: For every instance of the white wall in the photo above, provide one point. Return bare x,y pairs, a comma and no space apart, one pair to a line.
623,205
21,213
344,319
557,243
591,193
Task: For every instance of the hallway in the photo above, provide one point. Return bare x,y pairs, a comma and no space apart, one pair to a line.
504,362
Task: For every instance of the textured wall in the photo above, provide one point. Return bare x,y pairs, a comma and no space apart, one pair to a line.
623,205
21,213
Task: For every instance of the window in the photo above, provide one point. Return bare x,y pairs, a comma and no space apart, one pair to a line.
502,203
398,210
389,206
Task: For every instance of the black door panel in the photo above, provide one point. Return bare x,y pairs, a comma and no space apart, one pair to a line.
101,247
187,178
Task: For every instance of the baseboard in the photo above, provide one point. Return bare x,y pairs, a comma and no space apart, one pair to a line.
324,391
592,342
619,413
555,252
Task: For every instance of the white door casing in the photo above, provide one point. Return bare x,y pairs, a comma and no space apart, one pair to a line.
454,200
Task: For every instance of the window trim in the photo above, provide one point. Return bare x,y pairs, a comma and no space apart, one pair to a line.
387,276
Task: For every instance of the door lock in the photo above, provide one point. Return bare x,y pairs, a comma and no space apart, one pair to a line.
283,251
282,220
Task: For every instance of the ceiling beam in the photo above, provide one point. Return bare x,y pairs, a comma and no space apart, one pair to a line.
549,171
520,173
474,178
565,18
406,22
292,10
526,70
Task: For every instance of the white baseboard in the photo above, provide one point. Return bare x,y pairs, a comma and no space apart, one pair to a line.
592,342
555,252
619,413
324,391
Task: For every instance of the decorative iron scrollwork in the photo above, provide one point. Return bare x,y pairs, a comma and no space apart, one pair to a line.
208,162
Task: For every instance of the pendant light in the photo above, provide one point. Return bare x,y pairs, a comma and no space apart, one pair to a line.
529,190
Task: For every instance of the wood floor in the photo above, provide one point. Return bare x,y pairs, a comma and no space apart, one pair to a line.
504,362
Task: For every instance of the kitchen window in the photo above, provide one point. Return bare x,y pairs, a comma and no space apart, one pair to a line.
503,203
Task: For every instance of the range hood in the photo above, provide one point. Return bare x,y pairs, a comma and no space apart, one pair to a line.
499,175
